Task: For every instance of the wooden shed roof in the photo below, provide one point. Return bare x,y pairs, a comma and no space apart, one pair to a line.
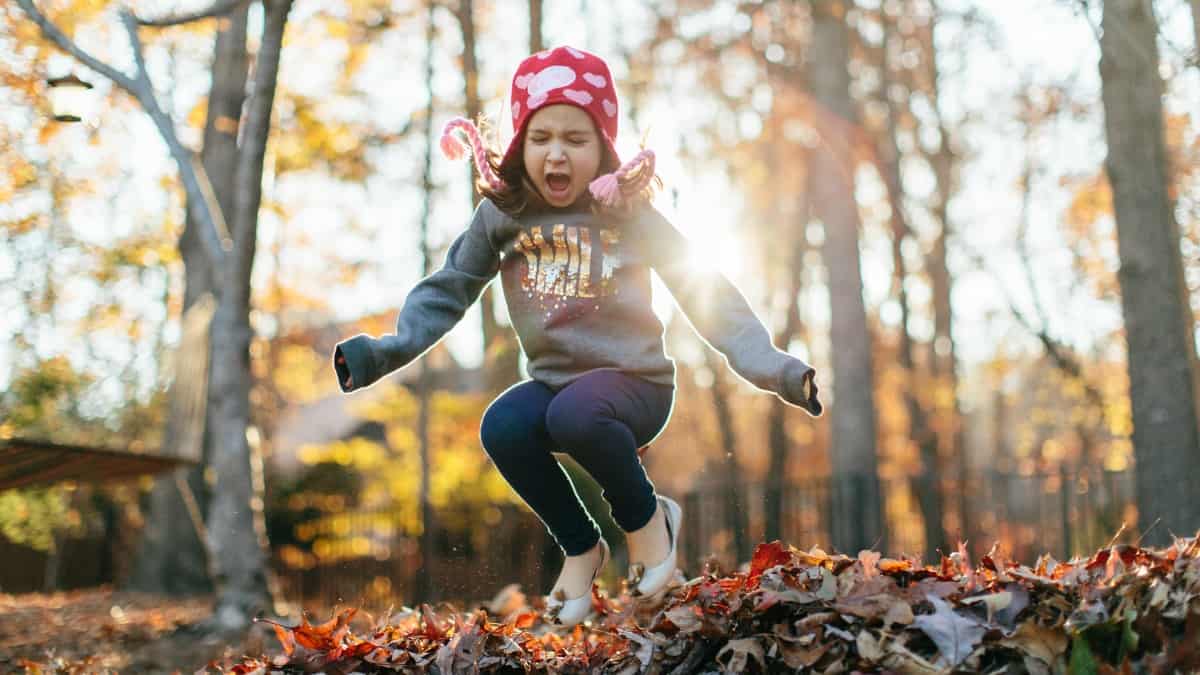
25,463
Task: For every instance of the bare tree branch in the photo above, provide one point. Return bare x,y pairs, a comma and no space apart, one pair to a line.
52,33
1028,174
139,57
215,234
219,8
1060,353
248,191
205,207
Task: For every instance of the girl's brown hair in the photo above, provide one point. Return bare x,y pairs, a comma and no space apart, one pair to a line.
517,194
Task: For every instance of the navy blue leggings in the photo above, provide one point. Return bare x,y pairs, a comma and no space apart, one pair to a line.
600,419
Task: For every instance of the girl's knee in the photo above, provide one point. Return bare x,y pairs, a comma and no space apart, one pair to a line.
504,434
572,426
513,423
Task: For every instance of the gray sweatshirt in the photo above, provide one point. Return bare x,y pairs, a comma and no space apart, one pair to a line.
577,288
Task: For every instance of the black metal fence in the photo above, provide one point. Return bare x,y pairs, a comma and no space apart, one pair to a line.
1063,513
366,559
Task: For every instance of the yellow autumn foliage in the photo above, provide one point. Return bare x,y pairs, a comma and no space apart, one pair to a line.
462,478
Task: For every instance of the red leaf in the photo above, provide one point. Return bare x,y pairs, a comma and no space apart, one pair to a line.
326,636
767,556
525,620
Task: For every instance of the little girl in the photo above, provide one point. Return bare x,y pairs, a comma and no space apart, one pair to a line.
573,235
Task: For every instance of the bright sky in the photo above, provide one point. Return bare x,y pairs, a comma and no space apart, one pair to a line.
1038,43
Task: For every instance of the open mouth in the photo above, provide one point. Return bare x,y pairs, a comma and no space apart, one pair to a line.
558,184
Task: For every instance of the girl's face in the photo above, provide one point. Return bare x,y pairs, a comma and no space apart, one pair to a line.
562,153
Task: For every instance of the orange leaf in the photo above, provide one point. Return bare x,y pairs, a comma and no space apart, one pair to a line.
525,620
285,639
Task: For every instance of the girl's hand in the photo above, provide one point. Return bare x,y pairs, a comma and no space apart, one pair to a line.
800,388
354,363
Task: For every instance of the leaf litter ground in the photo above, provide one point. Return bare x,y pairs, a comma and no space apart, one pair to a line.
1124,609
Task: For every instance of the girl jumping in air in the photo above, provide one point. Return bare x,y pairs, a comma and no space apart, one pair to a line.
573,235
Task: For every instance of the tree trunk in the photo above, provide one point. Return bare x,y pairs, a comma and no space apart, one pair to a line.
424,588
731,482
172,558
535,26
1195,32
943,352
856,508
779,445
500,355
1001,449
928,481
1158,322
943,355
236,530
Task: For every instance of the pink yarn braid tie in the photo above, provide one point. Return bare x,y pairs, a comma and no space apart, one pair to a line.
453,148
607,188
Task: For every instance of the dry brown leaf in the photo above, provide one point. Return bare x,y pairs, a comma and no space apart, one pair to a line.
868,647
1039,642
955,635
740,651
994,602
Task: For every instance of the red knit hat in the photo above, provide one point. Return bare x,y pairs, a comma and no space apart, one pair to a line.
560,75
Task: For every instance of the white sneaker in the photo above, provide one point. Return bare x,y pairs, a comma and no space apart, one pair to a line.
648,582
568,612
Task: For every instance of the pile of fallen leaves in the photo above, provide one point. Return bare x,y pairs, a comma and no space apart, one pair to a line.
1124,609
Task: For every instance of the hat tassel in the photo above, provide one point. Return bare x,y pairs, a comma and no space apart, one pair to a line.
453,148
607,189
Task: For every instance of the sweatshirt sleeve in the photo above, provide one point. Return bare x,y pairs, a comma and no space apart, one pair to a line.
432,307
720,314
